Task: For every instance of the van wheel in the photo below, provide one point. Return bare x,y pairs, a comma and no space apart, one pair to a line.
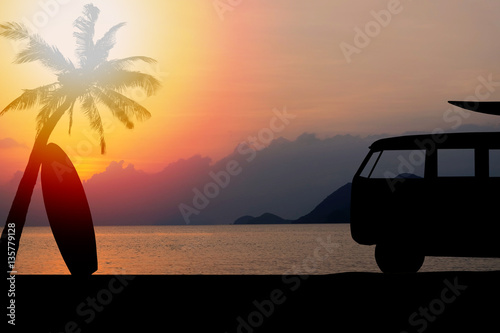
398,258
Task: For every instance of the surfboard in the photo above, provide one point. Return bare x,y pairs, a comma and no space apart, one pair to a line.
481,107
68,211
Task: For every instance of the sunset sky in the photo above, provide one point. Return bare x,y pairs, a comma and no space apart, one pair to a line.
224,72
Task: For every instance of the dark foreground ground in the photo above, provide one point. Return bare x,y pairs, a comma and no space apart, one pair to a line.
348,302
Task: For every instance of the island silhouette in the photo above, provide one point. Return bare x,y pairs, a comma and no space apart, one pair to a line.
335,208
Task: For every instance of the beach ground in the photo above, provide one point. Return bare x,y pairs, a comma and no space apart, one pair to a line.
346,302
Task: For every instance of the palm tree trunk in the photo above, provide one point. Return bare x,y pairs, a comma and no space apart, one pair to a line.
19,209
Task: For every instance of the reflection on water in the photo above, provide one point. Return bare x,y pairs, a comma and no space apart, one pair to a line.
242,249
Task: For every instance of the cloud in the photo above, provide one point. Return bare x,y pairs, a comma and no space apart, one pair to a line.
8,143
288,178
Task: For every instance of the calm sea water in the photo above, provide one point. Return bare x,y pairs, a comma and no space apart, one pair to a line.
243,249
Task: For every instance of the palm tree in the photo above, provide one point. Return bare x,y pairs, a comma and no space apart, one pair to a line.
94,81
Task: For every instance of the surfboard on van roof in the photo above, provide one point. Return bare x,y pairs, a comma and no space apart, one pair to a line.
490,107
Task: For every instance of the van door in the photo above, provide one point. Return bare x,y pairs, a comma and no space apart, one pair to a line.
460,204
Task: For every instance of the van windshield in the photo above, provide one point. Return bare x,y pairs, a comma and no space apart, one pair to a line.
395,164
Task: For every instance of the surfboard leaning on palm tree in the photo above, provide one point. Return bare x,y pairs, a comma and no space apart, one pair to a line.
92,83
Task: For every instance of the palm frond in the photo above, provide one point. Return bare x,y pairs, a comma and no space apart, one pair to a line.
84,34
30,98
119,64
97,80
51,103
14,31
50,56
37,49
121,80
131,107
115,109
89,108
105,44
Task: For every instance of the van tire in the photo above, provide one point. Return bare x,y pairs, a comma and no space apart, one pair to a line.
398,258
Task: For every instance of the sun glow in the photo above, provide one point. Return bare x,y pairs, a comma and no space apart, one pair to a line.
138,37
206,81
110,15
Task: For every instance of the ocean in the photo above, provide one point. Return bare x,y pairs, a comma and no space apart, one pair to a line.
224,249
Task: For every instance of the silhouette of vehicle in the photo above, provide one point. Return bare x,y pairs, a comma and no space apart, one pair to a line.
428,195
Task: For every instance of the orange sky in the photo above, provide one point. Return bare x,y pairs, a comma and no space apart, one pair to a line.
223,77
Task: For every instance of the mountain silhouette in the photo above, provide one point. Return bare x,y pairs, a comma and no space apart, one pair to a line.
334,209
266,218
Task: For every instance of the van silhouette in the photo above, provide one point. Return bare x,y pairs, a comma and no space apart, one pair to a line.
428,195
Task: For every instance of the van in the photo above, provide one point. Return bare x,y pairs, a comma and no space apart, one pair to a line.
428,195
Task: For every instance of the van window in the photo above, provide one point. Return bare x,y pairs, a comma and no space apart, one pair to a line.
455,162
397,163
371,163
494,163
